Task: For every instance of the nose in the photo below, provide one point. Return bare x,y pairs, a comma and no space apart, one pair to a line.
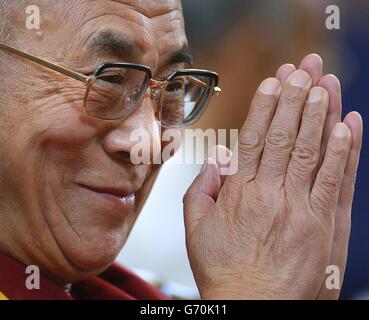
137,138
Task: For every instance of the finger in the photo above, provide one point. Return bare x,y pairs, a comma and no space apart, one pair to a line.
313,65
324,195
333,86
252,135
354,121
305,154
201,196
284,128
284,72
222,156
343,217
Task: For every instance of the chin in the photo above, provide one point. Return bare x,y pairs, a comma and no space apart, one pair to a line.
93,254
87,257
92,249
88,236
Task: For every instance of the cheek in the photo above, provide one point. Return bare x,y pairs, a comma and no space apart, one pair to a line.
54,113
53,132
43,147
68,147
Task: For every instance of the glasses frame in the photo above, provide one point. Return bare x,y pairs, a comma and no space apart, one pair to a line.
155,85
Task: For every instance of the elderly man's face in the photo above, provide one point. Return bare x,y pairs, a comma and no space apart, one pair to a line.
66,177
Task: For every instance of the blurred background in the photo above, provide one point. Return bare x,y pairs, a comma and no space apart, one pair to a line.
246,41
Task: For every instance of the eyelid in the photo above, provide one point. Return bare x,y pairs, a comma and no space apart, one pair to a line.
107,77
168,71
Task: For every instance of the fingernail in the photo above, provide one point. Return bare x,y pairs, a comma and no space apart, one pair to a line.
270,86
358,116
203,168
316,94
340,130
300,78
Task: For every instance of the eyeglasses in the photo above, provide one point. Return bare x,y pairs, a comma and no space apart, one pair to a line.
115,90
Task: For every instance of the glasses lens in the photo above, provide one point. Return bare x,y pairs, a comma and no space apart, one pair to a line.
185,99
115,93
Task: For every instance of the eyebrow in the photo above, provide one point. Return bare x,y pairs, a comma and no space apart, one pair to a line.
184,55
114,43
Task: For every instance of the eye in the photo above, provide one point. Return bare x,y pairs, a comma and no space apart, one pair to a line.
175,86
112,78
133,93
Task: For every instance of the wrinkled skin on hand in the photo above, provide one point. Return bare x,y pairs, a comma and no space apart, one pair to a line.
270,230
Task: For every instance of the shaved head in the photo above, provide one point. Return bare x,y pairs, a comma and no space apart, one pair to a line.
8,31
4,14
11,18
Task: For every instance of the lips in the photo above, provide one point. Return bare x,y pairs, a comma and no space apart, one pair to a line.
118,192
123,197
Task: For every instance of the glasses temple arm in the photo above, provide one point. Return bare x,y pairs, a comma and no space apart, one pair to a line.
47,64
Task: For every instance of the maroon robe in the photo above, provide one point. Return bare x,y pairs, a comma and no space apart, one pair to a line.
115,283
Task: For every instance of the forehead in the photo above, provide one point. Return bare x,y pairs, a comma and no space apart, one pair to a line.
149,8
156,28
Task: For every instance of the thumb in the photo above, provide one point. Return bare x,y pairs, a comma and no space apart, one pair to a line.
201,195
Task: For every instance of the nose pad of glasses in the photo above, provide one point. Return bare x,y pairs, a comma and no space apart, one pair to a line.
155,94
156,99
157,88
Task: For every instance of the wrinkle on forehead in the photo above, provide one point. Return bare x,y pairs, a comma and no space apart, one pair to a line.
152,8
159,24
155,26
152,16
78,10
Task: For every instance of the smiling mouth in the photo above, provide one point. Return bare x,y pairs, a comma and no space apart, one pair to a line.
121,196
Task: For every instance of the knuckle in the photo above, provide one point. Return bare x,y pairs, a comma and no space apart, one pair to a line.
330,181
327,189
304,160
279,137
313,117
339,151
305,155
294,95
249,140
265,102
290,100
